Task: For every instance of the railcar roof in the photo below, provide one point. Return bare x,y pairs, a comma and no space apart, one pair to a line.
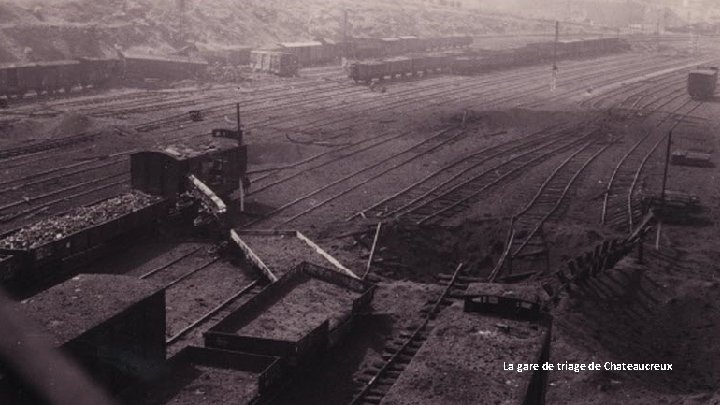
271,51
704,72
188,151
36,64
300,44
164,58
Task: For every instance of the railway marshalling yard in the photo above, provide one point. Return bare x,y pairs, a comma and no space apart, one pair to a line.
450,165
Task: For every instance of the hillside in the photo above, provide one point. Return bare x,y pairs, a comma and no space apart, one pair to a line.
95,27
615,13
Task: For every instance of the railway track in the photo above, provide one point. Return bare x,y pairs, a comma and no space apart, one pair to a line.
301,167
433,94
547,203
404,199
269,99
620,209
399,354
218,110
620,77
439,87
187,279
91,164
445,203
302,206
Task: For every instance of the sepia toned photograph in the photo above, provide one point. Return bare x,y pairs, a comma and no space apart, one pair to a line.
333,202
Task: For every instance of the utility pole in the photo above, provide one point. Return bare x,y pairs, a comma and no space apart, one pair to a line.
657,32
239,126
553,86
345,33
665,172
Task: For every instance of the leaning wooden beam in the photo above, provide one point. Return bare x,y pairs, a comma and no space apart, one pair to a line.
372,250
252,256
219,207
327,256
501,262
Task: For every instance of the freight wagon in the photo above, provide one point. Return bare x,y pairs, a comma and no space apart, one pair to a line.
366,47
39,249
237,56
36,254
310,53
164,172
397,67
140,67
701,82
277,62
479,62
17,79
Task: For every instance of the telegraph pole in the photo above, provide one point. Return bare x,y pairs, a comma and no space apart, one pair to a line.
555,66
665,172
345,34
657,32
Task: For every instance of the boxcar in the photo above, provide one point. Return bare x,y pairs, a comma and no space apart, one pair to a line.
98,72
366,47
163,67
164,172
701,82
236,56
412,44
309,53
393,46
399,66
18,78
366,71
277,62
426,64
